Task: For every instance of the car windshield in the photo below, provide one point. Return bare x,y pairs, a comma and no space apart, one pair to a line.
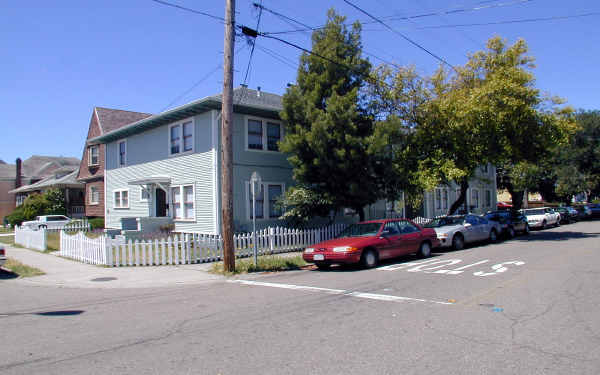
538,211
360,230
443,221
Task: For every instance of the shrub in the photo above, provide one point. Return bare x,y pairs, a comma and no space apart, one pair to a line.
96,223
16,217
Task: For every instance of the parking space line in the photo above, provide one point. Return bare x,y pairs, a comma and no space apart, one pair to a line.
374,296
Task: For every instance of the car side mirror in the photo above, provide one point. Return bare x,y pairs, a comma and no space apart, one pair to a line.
467,225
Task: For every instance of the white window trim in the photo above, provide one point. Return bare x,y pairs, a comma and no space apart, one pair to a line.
446,194
181,192
90,164
91,202
180,123
478,198
265,137
120,191
486,191
119,153
265,192
149,199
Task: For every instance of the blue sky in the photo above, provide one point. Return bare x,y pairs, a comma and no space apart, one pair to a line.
59,59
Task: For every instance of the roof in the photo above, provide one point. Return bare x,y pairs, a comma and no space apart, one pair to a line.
38,166
247,101
57,180
112,119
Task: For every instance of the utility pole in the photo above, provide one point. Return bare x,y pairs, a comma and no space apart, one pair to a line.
226,134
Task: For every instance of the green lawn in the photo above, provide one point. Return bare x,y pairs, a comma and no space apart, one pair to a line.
9,240
20,269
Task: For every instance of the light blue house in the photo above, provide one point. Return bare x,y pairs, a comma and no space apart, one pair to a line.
166,168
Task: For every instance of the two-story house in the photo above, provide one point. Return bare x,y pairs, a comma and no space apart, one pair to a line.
91,168
166,168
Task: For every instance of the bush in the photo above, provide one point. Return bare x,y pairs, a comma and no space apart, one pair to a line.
96,223
16,217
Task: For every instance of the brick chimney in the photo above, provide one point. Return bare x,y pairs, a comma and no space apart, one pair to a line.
18,174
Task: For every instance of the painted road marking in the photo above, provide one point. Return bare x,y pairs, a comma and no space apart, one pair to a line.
434,265
379,297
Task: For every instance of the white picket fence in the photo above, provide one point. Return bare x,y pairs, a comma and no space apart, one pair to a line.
187,248
75,226
31,239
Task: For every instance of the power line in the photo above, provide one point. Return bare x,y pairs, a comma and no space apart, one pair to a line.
284,60
189,10
253,45
400,34
283,16
405,18
554,18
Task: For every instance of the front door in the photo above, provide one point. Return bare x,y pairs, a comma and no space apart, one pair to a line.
161,203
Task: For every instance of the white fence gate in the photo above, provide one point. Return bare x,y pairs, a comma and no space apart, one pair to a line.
187,248
31,239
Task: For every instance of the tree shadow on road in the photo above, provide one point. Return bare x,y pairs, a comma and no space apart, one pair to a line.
555,236
7,275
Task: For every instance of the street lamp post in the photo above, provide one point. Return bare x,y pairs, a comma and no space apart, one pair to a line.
255,179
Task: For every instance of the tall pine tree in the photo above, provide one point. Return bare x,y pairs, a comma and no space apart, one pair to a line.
327,122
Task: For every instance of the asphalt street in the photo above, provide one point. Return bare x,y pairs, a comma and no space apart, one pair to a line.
524,306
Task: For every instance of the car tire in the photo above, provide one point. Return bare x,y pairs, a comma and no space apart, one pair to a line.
511,232
458,242
42,227
527,230
424,250
322,266
544,224
369,258
493,236
557,224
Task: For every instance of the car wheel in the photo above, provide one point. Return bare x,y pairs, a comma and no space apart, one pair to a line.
511,232
527,229
493,236
458,241
369,258
544,224
43,227
424,250
557,224
322,266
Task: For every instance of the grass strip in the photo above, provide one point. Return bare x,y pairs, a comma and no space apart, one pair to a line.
270,263
20,269
8,240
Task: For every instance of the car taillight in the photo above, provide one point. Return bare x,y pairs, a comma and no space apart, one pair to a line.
2,252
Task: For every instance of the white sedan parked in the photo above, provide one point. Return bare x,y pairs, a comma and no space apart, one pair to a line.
48,222
541,217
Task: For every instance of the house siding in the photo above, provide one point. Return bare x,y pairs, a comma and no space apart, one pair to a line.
7,201
94,210
148,155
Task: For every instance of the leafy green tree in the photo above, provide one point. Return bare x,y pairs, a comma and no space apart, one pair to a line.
326,121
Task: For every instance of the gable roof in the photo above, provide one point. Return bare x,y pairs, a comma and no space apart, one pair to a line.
245,100
111,119
65,177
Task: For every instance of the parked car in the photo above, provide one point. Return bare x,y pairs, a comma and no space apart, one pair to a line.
595,208
371,241
584,211
2,255
541,217
48,222
511,222
567,214
456,231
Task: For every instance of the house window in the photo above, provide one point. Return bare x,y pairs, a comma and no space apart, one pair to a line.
94,195
255,135
274,193
438,199
121,198
93,156
144,194
485,169
122,153
259,202
183,202
181,138
263,135
270,193
475,198
445,199
488,198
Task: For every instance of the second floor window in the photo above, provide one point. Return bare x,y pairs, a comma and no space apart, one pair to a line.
93,155
263,135
181,138
122,153
121,199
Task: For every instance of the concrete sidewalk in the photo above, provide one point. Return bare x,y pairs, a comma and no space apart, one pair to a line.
66,273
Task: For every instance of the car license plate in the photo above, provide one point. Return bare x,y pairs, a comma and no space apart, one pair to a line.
319,257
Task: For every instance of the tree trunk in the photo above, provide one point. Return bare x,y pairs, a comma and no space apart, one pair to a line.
517,198
462,198
361,213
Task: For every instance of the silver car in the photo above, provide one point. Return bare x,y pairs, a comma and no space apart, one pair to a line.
456,231
2,255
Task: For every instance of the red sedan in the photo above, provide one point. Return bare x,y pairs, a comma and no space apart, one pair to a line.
370,241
